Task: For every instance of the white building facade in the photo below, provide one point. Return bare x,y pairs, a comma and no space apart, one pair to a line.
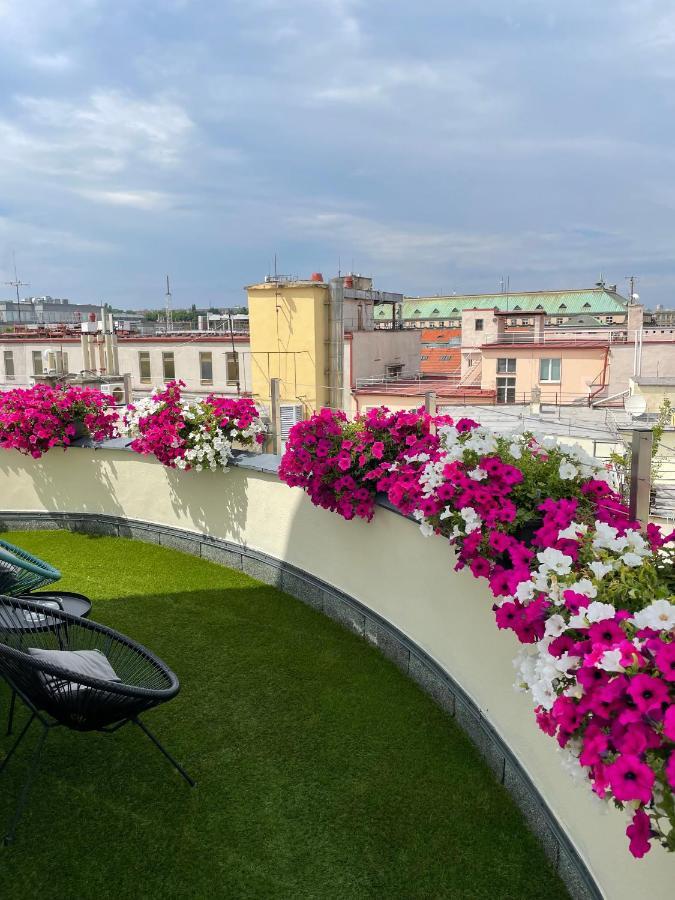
207,363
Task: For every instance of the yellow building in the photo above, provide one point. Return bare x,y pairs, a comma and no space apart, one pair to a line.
289,341
319,339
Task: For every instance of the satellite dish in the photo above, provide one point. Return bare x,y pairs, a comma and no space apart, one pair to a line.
635,405
635,296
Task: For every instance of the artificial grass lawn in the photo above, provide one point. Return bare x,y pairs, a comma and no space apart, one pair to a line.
321,770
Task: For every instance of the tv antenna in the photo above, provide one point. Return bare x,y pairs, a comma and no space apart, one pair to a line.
169,311
17,284
632,296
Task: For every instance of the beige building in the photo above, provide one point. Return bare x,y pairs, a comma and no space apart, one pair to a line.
207,363
589,365
654,391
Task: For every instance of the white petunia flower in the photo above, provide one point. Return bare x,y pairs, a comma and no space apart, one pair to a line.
659,615
598,612
610,661
525,591
573,530
600,569
555,626
567,471
552,560
632,559
584,586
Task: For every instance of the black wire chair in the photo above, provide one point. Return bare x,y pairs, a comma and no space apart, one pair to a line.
57,696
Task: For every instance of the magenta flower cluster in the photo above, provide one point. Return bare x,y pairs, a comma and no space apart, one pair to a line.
33,420
586,592
342,465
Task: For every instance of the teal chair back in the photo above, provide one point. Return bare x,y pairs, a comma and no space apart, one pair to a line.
20,572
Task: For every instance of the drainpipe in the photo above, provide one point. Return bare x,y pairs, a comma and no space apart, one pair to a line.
594,394
336,343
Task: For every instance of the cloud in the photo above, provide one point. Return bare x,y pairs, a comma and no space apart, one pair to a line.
144,200
112,124
438,144
51,62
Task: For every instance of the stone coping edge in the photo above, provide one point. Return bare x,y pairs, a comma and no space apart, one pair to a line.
358,618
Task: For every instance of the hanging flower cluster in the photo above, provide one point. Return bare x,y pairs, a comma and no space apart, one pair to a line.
343,464
33,420
186,434
590,596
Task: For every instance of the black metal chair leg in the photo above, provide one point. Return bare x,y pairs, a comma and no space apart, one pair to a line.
23,797
16,744
166,753
10,718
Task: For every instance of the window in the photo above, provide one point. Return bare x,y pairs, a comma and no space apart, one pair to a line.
206,368
38,368
424,357
232,363
168,366
506,390
479,324
9,365
506,366
144,366
395,370
549,370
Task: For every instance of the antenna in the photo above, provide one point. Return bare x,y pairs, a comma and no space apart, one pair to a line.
632,296
169,311
17,284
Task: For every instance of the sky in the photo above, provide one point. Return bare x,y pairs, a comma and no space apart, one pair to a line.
439,146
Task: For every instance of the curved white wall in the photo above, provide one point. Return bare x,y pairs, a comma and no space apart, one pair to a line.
389,567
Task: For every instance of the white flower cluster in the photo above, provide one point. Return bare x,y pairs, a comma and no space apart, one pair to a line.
631,546
209,446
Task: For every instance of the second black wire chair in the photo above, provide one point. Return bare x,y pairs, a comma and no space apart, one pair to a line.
128,679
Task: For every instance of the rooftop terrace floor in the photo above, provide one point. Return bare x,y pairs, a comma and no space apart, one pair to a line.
322,771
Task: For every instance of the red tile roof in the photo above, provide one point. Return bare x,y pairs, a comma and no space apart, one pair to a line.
439,335
440,360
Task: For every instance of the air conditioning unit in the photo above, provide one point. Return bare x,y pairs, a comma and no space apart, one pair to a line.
53,361
289,416
116,390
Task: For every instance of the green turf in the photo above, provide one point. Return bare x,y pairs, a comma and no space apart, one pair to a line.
322,771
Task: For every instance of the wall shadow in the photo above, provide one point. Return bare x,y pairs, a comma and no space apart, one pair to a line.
52,482
205,498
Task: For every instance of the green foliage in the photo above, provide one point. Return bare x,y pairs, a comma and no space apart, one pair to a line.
621,460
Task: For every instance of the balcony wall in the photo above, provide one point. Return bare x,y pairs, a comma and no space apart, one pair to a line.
384,581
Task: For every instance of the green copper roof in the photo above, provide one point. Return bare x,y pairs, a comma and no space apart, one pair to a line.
594,300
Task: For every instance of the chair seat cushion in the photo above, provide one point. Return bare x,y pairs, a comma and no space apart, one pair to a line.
91,663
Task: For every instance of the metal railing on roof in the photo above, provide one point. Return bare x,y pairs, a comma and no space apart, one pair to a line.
587,336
